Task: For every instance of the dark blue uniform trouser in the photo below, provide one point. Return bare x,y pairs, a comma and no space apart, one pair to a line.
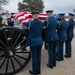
68,47
36,58
60,50
52,53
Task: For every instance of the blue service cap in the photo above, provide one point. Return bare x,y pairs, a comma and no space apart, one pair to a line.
61,14
49,11
33,13
1,19
71,14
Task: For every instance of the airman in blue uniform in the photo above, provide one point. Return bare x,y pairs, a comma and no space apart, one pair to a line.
10,23
70,35
1,25
62,33
51,37
35,42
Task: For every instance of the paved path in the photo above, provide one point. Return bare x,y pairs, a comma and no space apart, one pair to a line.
66,67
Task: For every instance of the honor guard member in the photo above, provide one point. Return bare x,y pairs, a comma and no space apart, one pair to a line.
10,23
70,35
62,33
51,37
1,25
35,42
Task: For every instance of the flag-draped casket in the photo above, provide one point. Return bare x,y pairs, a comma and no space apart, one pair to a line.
26,16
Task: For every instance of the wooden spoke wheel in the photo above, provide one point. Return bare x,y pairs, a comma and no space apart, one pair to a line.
12,57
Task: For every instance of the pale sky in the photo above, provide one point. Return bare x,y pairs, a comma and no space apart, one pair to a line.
59,6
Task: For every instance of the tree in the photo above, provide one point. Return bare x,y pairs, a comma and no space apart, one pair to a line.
3,2
31,5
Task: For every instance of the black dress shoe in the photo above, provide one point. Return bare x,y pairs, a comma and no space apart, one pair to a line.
62,59
69,56
66,56
58,59
50,66
38,72
54,65
32,73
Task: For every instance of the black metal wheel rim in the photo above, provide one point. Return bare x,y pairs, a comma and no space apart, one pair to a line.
12,57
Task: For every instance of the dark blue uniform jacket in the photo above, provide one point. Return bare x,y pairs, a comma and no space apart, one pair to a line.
62,31
35,32
52,25
70,30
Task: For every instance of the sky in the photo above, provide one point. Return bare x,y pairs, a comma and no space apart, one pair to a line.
59,6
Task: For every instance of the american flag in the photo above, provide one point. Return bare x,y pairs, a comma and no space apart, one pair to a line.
26,16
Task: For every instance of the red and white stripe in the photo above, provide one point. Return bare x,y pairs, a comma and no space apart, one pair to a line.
26,16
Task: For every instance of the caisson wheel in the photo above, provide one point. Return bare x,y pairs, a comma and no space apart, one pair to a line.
12,57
